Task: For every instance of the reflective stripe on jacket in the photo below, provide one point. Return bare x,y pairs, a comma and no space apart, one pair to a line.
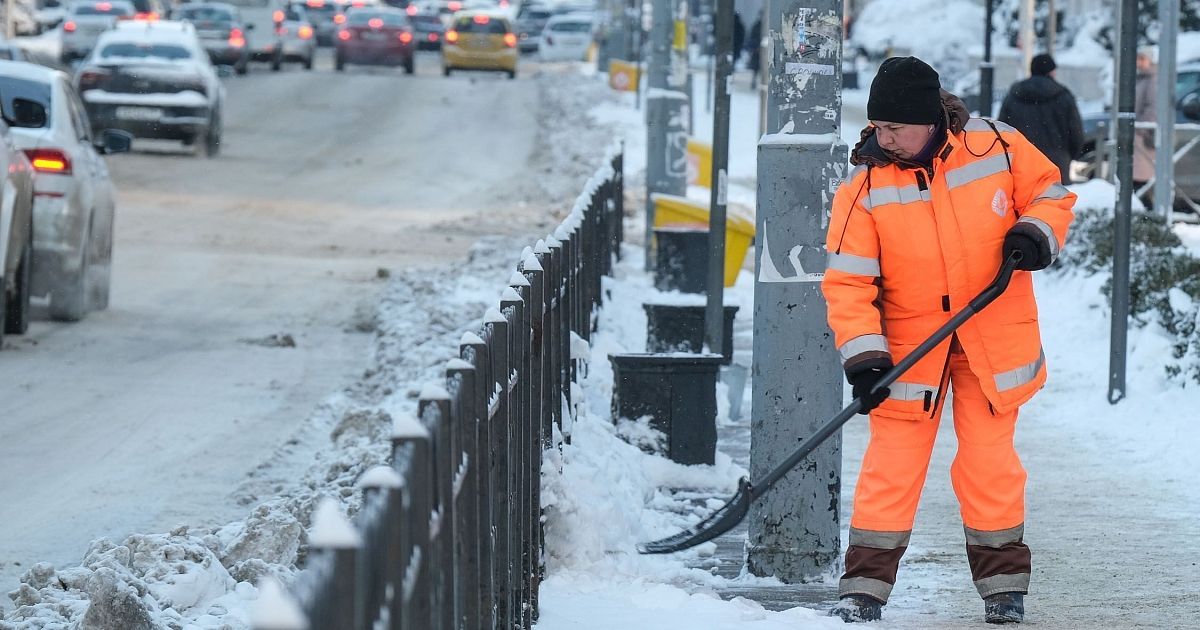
907,250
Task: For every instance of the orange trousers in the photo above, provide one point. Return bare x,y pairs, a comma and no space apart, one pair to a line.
988,480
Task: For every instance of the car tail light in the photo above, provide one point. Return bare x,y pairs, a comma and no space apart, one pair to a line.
405,37
510,40
481,19
375,23
237,39
358,4
277,17
316,4
69,27
503,4
339,18
305,32
53,161
345,35
411,10
104,6
433,37
451,37
454,5
91,78
148,16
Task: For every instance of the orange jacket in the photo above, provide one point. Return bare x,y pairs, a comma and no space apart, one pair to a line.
909,248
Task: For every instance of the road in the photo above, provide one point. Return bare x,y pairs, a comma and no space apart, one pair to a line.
147,415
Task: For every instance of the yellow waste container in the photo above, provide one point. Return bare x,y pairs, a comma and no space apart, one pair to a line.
622,75
674,211
699,163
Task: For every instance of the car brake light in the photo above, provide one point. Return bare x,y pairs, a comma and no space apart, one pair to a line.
305,32
236,38
49,161
344,35
454,5
339,18
277,17
375,23
69,27
90,78
503,4
405,37
451,37
104,6
433,37
481,19
412,9
510,40
358,4
149,16
316,4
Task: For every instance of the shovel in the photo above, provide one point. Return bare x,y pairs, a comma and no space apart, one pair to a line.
732,513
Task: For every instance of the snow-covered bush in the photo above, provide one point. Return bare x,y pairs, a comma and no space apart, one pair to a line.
1164,279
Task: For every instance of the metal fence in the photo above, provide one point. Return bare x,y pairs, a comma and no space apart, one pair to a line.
450,536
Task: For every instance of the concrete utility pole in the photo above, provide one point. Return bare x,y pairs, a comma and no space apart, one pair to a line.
1028,39
986,69
10,25
1118,342
1164,165
680,77
714,313
666,116
797,375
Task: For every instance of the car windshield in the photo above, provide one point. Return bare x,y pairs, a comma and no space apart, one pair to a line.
571,27
103,8
481,24
142,50
364,18
205,14
36,91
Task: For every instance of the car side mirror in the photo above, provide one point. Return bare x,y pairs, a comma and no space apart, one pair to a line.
1190,105
27,113
115,141
225,71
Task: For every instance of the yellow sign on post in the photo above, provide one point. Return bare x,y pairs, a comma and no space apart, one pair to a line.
622,75
699,163
680,42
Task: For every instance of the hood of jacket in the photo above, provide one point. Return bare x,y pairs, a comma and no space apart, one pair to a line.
868,151
1037,90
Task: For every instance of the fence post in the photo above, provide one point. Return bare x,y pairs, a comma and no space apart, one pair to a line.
460,379
411,448
474,350
433,409
532,427
332,533
276,609
498,343
381,486
516,310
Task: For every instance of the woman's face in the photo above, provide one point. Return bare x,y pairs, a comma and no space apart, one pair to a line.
902,140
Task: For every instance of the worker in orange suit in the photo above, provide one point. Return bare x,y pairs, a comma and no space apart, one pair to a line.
936,201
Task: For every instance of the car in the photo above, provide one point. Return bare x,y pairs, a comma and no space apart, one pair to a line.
85,21
222,31
295,36
16,215
566,37
154,79
531,19
148,10
427,28
73,203
326,16
1092,162
480,40
376,37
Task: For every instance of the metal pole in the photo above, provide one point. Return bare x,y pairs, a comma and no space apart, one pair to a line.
10,25
714,313
1051,26
1164,165
680,77
794,532
666,120
1028,38
638,53
1118,344
1110,147
986,69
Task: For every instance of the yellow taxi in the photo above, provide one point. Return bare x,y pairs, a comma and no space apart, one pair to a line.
480,40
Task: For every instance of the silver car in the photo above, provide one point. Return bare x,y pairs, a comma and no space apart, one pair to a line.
295,35
86,21
73,204
16,215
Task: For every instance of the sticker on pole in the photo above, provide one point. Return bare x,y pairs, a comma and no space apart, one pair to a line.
768,272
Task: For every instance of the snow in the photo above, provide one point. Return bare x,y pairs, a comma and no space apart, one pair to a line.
381,477
276,609
408,427
957,23
331,529
186,98
432,391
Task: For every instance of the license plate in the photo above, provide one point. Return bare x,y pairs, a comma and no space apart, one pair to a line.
139,113
374,37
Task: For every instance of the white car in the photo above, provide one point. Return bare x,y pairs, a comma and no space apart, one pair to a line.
73,204
86,21
153,79
566,38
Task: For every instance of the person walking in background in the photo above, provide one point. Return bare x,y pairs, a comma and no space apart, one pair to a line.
739,37
1144,111
1046,113
754,46
936,201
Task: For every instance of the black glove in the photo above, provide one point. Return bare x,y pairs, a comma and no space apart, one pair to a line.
1034,256
863,379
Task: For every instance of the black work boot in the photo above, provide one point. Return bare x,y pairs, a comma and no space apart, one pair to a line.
1004,608
857,607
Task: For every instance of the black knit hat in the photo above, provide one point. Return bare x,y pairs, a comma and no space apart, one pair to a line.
1041,65
906,90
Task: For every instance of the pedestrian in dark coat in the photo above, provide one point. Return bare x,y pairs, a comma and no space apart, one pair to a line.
1045,112
739,37
753,46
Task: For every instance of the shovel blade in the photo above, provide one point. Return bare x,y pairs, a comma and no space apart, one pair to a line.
717,523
